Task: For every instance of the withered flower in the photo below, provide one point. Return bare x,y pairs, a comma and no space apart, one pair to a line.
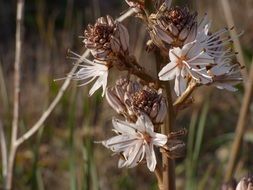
106,38
172,27
130,98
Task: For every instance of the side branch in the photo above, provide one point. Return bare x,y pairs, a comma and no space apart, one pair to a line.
180,100
51,107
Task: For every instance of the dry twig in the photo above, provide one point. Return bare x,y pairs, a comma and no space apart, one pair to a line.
3,151
18,48
241,125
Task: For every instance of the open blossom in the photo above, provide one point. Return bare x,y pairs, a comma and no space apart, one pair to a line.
90,71
106,38
187,62
130,98
217,44
226,75
135,141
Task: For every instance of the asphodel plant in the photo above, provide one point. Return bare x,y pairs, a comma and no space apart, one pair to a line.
195,56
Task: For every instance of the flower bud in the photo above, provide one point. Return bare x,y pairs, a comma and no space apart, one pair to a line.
106,38
130,98
172,27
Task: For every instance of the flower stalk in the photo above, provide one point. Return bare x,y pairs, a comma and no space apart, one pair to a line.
168,164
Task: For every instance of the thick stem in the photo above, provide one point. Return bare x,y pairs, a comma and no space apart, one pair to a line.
168,164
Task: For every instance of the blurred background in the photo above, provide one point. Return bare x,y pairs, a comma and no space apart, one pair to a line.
63,154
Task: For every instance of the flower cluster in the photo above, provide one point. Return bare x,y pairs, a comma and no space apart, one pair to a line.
107,39
194,55
193,51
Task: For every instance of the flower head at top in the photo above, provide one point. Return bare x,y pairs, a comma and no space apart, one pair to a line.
106,38
189,62
130,98
135,141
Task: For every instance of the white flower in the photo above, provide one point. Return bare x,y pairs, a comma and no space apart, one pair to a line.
90,71
135,141
225,75
190,61
216,44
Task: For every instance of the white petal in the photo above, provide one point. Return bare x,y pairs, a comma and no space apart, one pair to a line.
168,72
124,127
144,123
159,139
150,157
135,156
180,85
121,163
119,143
104,79
101,81
201,76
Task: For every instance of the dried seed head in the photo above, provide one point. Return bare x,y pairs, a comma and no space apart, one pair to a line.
130,98
246,183
106,38
172,27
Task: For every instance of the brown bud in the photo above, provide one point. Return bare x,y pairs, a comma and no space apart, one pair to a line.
130,98
106,38
172,27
